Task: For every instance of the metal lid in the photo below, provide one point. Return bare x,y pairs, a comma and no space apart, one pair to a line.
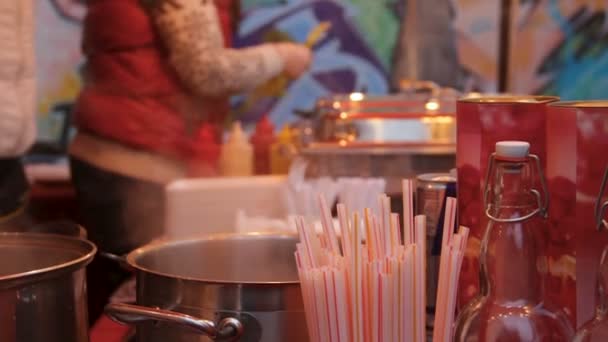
436,178
31,257
581,104
344,148
506,99
244,259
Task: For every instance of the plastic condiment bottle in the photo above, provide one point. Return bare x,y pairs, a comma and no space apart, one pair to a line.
236,157
282,152
262,140
206,154
512,305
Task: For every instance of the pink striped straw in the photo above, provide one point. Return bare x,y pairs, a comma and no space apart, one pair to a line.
328,225
408,211
449,220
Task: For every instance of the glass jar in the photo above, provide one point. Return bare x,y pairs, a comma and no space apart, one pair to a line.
511,306
596,330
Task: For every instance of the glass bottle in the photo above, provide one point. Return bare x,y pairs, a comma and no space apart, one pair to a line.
510,306
596,330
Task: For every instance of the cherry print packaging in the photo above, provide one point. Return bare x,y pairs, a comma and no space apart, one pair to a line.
482,122
577,151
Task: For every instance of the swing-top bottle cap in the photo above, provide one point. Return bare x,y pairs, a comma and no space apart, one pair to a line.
512,149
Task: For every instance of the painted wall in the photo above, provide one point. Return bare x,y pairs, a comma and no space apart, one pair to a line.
58,60
559,49
572,60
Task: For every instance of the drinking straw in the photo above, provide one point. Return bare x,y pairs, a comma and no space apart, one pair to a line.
385,219
356,281
456,256
408,211
456,260
328,225
449,220
386,292
344,229
372,288
309,307
376,310
370,237
452,253
408,291
441,296
330,295
367,301
395,234
341,305
320,296
396,302
420,224
464,231
379,238
308,243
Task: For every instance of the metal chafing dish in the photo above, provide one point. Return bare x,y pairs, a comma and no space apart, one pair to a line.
390,137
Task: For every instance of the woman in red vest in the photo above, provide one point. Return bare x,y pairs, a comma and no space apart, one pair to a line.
156,70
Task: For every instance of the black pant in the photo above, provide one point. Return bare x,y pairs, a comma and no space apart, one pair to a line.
119,212
13,185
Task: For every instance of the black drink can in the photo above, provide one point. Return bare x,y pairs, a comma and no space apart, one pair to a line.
432,190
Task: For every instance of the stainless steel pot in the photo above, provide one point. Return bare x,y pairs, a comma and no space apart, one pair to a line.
43,288
66,228
223,287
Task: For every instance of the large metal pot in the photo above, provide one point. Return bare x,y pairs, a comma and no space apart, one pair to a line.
43,288
65,228
223,287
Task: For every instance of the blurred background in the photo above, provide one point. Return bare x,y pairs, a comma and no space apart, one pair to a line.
554,47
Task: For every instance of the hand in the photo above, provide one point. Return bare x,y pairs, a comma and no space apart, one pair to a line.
296,58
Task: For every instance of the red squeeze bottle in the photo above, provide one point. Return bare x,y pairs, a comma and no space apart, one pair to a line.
262,139
206,153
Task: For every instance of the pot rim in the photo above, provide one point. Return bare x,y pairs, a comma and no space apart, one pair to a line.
509,99
581,104
163,243
22,278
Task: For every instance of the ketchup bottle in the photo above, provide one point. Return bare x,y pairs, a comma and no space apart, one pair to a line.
262,139
206,153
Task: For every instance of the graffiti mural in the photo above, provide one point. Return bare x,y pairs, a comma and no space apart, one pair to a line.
71,10
572,60
359,52
59,58
344,60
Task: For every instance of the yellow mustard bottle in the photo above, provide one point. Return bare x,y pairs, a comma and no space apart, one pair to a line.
282,152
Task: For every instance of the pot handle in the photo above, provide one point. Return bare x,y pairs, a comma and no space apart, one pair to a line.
118,259
228,329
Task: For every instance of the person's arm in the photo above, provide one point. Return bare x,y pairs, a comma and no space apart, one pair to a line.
17,78
192,33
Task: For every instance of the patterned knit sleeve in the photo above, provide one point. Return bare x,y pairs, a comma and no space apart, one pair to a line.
192,33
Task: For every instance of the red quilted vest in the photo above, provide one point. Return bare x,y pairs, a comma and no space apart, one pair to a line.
131,94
